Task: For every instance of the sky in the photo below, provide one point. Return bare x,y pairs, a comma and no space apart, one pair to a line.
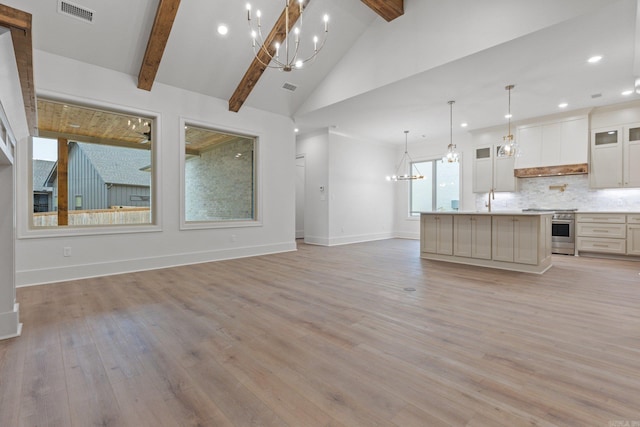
45,149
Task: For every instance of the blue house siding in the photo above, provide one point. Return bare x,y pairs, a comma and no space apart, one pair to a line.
84,181
129,195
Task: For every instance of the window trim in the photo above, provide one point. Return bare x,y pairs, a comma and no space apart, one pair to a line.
24,220
217,127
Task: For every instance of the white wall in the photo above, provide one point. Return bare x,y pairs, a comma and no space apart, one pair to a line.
347,199
360,198
11,99
315,148
39,258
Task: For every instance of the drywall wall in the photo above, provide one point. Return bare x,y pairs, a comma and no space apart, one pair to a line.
315,148
39,256
16,124
360,198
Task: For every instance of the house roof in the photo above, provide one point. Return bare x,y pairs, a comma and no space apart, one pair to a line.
118,165
41,171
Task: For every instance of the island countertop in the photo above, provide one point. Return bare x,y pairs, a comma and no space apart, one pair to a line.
507,239
487,213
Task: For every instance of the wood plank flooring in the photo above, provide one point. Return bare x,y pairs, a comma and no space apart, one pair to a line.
330,337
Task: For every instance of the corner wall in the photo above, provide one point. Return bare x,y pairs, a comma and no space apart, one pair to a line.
16,124
347,198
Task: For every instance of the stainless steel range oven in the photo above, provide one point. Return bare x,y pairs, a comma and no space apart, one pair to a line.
563,234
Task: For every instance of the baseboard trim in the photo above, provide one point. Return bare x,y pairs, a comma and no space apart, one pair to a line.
10,326
86,271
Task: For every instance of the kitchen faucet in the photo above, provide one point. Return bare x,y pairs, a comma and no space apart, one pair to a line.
492,195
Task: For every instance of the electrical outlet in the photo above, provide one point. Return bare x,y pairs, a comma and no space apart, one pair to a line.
66,251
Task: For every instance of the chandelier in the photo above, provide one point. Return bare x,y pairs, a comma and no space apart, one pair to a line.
283,54
452,153
509,148
406,164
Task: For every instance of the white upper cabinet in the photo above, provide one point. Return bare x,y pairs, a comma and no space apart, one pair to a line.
491,171
615,156
563,142
631,155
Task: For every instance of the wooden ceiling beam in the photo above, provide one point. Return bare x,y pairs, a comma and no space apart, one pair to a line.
162,24
255,70
19,23
387,9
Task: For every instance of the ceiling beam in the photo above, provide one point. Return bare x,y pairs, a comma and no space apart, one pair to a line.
255,70
387,9
19,23
165,15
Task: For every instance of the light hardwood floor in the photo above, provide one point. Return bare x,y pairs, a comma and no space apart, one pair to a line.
330,337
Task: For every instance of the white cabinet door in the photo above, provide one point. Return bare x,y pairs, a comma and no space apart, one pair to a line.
632,156
606,158
491,171
483,170
502,238
574,148
551,142
481,236
633,239
525,239
503,177
530,141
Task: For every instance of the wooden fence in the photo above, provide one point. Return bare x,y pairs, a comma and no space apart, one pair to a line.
114,216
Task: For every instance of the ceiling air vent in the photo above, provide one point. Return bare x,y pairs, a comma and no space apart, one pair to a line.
75,11
289,86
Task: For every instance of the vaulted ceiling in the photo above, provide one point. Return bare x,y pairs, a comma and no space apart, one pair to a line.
388,65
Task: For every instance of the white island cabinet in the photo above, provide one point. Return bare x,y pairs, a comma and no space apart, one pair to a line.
509,241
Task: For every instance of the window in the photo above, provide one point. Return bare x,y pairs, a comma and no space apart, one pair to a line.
104,176
219,176
439,190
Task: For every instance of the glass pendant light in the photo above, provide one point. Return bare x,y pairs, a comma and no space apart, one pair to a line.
509,147
452,153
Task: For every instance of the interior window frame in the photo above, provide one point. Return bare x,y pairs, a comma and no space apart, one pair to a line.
25,227
257,165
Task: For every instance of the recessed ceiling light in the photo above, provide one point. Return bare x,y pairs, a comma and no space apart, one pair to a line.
627,92
594,59
73,125
508,116
563,105
223,30
296,130
464,125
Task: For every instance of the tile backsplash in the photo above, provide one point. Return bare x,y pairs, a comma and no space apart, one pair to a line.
535,193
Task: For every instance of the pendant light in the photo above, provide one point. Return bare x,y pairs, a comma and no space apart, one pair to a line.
509,147
406,164
452,153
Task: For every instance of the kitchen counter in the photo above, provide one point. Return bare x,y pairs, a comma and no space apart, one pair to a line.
515,212
508,240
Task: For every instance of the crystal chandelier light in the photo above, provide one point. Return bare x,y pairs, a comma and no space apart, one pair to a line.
452,153
283,53
509,147
406,164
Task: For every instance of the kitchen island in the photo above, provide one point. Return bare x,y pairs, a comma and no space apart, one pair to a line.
508,240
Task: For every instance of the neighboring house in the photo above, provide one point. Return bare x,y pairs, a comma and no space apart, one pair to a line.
102,176
42,194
